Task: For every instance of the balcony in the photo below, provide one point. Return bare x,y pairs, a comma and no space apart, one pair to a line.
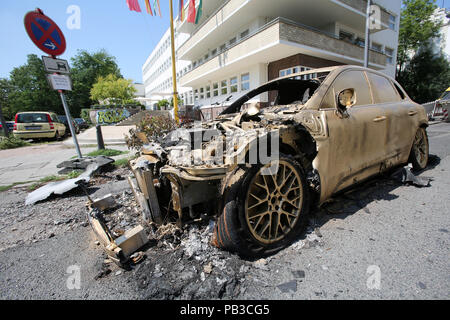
224,22
278,39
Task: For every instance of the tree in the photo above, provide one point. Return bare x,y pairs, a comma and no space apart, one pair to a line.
163,104
28,89
5,92
113,88
426,76
86,69
416,28
180,102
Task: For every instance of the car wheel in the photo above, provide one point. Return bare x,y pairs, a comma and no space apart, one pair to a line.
263,212
57,136
420,150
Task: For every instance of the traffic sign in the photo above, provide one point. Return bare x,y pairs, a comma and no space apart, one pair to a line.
45,33
52,65
60,82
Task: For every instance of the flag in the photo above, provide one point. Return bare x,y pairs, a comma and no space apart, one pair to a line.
199,12
156,4
159,8
181,10
191,12
149,7
133,5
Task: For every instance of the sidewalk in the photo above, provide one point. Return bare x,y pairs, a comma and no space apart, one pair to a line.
36,162
112,135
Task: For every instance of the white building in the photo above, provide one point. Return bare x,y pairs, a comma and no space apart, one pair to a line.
157,70
443,42
241,44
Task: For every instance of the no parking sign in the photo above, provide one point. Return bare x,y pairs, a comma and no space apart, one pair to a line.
45,33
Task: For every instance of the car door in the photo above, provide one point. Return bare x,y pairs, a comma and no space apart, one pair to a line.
56,123
400,113
357,137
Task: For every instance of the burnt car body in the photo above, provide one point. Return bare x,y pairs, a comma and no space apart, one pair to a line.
327,130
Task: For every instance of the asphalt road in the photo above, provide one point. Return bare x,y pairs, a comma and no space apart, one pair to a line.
385,241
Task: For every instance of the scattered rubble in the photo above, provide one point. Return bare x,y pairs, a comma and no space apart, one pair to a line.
91,165
290,286
405,176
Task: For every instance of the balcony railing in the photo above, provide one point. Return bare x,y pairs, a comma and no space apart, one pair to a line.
286,22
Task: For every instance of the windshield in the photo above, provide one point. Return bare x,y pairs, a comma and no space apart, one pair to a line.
32,118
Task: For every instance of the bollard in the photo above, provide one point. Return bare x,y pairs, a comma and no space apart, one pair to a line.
100,143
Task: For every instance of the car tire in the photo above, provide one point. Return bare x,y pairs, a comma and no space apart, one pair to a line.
238,230
420,150
57,136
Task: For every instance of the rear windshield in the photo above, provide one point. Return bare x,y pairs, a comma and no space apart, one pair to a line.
32,117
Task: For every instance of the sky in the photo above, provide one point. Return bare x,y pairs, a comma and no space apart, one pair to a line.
105,24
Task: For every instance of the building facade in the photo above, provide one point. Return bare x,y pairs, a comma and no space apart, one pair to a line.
240,44
442,44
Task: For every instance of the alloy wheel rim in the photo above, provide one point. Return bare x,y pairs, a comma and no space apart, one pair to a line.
420,148
274,202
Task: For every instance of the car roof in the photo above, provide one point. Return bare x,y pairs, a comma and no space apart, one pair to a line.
331,69
28,112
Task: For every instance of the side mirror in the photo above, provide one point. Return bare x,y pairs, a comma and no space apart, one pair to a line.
345,99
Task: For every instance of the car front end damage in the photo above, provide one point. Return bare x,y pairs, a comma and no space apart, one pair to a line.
187,173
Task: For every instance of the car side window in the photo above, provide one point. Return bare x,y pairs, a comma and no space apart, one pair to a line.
352,79
382,89
54,118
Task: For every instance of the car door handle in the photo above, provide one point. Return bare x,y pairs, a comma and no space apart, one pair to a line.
412,113
379,119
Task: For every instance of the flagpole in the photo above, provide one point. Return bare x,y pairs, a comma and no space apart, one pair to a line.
174,68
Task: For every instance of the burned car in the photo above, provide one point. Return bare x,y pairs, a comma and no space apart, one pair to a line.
261,170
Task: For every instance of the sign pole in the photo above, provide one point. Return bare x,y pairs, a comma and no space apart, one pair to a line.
48,37
174,68
69,121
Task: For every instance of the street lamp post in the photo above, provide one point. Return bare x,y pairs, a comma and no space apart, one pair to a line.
367,41
174,68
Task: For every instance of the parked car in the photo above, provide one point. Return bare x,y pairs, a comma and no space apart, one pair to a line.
326,129
63,119
38,125
9,125
81,123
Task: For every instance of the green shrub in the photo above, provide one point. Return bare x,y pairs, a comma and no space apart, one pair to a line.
106,153
12,142
121,163
84,114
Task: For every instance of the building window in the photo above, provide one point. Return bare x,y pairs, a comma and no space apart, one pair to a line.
233,85
208,92
223,87
245,82
360,42
392,22
214,52
202,95
390,55
288,71
216,89
223,47
245,33
232,41
377,47
196,95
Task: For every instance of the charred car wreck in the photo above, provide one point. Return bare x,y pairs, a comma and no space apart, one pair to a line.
260,170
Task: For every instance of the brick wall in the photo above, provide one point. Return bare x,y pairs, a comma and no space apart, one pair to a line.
293,61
